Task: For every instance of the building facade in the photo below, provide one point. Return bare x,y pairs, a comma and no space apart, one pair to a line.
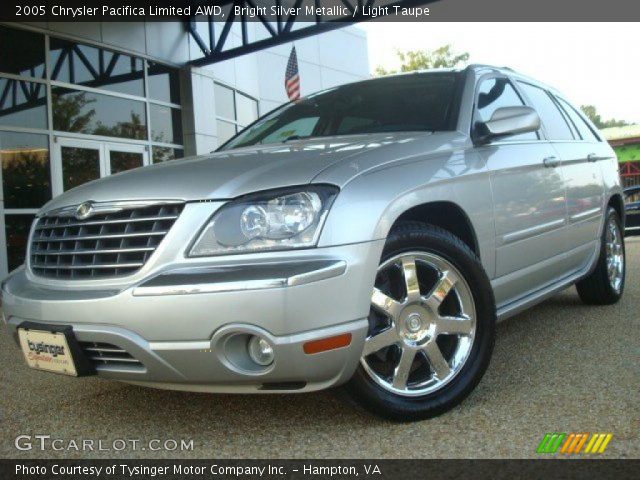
79,101
626,143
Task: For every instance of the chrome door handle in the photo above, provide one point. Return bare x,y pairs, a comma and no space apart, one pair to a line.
551,162
592,157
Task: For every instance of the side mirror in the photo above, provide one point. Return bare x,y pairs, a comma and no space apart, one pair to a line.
507,121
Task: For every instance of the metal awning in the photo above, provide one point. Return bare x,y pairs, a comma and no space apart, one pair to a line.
281,26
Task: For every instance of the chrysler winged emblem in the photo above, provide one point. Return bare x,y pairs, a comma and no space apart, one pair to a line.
84,210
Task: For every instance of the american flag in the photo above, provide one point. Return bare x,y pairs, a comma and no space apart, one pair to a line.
292,77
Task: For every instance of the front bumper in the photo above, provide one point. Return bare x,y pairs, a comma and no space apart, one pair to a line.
186,328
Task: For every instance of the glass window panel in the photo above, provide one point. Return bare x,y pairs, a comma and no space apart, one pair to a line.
17,229
554,122
247,109
94,67
97,114
122,161
164,83
23,104
79,165
166,154
166,124
225,107
301,127
495,93
226,130
583,128
21,52
26,179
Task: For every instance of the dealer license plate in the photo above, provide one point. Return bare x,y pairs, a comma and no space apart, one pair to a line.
47,351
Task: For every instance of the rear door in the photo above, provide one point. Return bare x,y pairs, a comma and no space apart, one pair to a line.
580,151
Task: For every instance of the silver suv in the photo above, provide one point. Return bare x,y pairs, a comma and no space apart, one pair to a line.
368,235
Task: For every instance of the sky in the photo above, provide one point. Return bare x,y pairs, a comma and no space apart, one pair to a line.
591,63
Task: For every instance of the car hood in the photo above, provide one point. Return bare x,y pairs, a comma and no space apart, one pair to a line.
228,174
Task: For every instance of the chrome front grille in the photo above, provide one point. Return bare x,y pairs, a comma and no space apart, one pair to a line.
108,355
114,241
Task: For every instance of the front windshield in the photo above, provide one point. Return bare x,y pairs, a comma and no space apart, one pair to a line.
424,102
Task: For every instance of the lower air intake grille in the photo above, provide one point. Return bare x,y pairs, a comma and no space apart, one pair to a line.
114,243
106,354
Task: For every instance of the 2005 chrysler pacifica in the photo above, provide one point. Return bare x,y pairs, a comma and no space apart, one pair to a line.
370,234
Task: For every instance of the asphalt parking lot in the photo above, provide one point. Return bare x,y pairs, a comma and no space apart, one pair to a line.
560,367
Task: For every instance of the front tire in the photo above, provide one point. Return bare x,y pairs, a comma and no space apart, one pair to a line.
431,326
605,285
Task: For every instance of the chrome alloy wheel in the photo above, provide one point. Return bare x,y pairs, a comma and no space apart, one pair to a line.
615,254
422,324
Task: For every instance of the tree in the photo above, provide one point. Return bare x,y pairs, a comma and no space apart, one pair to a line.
593,115
442,57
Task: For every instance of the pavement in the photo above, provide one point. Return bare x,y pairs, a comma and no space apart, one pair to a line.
559,367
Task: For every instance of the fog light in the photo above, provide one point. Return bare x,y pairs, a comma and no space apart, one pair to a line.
260,351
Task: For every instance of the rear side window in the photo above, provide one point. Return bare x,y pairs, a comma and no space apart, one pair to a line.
583,128
496,93
552,118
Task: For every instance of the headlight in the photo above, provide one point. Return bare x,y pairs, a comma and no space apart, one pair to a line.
275,220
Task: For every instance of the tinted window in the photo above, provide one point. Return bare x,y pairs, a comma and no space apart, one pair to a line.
123,161
583,129
554,122
25,169
23,104
94,67
247,110
225,105
496,93
165,154
21,52
79,165
164,83
96,114
17,229
166,126
409,103
226,130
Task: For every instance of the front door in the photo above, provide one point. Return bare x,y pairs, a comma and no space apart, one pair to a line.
80,161
529,200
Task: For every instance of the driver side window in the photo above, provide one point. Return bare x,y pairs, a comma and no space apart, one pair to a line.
495,93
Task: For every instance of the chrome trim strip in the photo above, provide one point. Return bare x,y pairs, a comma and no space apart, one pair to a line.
101,358
87,267
107,222
532,231
93,252
586,213
72,238
186,345
108,207
240,278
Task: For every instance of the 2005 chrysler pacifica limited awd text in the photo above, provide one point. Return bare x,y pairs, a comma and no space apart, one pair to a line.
370,235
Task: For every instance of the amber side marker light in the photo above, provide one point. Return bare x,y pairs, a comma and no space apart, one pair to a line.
329,343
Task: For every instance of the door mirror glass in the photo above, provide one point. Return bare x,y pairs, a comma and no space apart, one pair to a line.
507,121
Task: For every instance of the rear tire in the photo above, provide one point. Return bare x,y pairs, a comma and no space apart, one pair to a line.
605,285
430,286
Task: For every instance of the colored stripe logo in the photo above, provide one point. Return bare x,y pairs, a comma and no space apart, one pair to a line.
574,443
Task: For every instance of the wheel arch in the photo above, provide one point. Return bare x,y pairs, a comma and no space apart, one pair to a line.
617,203
444,214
